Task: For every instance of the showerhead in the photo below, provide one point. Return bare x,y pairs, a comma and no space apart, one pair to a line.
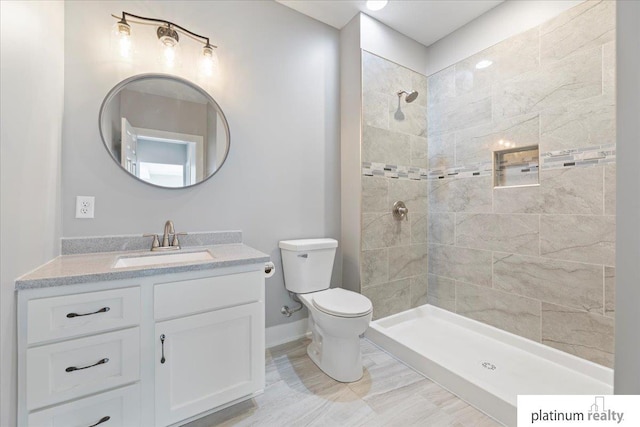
411,95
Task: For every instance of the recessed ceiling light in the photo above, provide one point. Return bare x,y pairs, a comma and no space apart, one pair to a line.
376,4
483,64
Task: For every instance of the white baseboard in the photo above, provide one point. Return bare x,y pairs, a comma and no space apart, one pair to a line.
287,332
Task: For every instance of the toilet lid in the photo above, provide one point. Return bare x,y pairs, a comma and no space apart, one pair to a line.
343,303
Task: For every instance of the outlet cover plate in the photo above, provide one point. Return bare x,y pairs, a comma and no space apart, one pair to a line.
85,206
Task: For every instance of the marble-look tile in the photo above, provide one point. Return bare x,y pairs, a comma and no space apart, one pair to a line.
462,264
441,151
442,292
375,192
571,190
514,233
587,335
381,230
571,79
441,86
582,238
511,57
419,154
419,83
511,313
407,261
471,195
375,109
610,189
419,285
408,118
375,267
477,144
412,192
419,223
463,111
567,283
383,76
609,69
383,146
610,291
583,27
441,228
389,298
585,123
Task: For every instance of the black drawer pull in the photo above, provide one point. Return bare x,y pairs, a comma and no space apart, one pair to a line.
102,310
102,420
162,360
99,362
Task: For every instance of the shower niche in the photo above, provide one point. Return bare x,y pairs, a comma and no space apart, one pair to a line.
516,167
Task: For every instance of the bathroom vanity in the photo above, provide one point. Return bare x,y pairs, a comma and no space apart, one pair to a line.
159,343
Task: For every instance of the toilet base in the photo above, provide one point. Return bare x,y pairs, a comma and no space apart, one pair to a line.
340,358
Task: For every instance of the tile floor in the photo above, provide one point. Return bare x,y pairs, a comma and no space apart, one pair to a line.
389,394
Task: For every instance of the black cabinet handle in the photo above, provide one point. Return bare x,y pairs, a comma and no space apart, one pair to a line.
102,420
99,362
162,360
102,310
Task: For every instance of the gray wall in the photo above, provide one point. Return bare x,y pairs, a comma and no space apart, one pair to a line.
282,177
627,368
536,261
31,109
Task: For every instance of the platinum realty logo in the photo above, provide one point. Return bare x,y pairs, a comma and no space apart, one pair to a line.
579,410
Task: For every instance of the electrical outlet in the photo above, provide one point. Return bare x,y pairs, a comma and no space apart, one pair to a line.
85,206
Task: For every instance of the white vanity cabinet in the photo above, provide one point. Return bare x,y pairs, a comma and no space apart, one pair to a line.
91,354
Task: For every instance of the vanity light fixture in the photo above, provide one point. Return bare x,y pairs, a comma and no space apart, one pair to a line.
376,4
168,41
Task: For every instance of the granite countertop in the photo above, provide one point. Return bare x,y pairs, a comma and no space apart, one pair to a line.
97,267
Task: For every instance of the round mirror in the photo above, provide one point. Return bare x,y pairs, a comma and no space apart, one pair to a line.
164,130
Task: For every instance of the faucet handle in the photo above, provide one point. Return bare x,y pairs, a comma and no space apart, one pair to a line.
156,241
175,242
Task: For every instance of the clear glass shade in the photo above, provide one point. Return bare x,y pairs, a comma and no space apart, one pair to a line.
208,62
169,52
121,42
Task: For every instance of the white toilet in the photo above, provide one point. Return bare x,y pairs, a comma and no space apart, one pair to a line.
337,316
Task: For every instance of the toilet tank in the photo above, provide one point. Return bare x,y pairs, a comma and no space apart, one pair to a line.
307,264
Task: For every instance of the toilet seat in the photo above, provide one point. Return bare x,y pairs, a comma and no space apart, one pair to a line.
342,303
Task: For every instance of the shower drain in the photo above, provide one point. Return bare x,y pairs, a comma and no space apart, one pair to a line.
488,365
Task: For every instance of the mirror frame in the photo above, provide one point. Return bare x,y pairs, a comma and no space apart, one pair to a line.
117,88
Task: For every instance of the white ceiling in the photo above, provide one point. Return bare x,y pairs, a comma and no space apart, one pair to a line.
425,21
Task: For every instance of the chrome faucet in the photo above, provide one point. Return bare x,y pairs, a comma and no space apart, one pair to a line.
168,231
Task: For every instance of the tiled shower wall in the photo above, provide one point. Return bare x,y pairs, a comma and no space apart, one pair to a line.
537,261
394,156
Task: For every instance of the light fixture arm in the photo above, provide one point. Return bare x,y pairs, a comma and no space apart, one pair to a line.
202,39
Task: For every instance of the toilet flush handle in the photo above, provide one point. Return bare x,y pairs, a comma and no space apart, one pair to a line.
400,211
303,255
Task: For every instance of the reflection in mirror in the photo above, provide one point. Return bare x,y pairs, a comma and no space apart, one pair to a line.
164,130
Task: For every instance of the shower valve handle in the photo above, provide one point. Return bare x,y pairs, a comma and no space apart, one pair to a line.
400,211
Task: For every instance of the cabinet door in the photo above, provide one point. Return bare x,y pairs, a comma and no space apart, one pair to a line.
209,359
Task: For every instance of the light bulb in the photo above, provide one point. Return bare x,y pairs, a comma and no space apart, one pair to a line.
484,64
208,61
376,4
168,41
121,39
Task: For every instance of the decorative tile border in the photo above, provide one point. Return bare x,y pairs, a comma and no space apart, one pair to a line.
583,157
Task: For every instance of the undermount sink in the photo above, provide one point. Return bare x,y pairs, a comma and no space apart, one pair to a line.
172,258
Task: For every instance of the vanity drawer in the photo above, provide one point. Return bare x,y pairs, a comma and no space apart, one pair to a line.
121,406
80,314
175,299
72,369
